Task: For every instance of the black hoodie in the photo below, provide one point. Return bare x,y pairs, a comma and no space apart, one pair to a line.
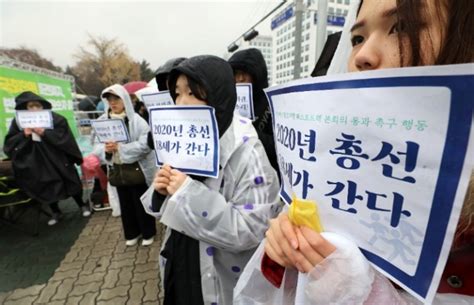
252,62
44,170
164,70
215,76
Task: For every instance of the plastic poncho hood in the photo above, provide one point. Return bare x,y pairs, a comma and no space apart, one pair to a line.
121,92
215,76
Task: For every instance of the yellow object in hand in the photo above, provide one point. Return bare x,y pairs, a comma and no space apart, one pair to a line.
304,212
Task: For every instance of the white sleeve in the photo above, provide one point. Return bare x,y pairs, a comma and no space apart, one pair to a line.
136,150
237,223
346,277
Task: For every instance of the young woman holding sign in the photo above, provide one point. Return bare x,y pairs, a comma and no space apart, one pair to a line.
135,155
386,34
214,225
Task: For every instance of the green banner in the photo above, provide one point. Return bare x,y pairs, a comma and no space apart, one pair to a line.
14,81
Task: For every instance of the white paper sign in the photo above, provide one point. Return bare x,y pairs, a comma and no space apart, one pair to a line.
34,119
387,159
187,138
244,105
112,130
162,98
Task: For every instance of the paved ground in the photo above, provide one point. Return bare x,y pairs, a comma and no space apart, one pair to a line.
98,269
27,260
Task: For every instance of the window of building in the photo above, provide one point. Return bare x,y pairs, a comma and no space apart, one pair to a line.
331,10
338,12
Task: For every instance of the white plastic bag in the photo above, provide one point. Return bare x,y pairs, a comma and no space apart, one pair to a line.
113,200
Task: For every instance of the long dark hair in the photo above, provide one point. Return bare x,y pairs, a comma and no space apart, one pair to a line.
457,43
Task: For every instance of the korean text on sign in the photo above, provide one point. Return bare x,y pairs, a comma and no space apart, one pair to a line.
244,105
113,130
186,138
385,158
34,119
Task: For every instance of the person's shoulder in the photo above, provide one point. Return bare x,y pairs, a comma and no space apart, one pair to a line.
58,118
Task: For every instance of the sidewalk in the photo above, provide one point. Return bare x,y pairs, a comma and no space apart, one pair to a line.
99,269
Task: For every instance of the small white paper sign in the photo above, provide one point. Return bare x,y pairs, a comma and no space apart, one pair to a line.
387,156
162,98
113,130
244,105
187,138
34,119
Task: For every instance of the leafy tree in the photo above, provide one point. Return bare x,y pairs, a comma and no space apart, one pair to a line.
103,62
146,74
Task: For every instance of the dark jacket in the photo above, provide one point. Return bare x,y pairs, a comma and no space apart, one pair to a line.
252,62
44,170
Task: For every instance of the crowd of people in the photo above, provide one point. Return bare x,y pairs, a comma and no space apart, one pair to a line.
214,225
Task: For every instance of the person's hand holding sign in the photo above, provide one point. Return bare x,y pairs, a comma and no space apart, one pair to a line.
111,147
301,247
168,180
39,131
27,132
281,243
162,180
313,249
176,180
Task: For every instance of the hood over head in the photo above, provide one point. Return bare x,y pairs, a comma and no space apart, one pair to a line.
121,92
27,96
164,70
252,62
215,76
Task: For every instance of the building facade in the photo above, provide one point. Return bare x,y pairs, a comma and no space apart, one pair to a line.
283,34
264,44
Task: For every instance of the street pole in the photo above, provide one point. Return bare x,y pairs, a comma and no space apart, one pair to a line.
298,29
322,22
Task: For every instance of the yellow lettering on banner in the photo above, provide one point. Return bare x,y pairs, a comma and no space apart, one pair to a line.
305,213
15,86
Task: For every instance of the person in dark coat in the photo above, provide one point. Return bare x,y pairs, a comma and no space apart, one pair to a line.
43,159
249,67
